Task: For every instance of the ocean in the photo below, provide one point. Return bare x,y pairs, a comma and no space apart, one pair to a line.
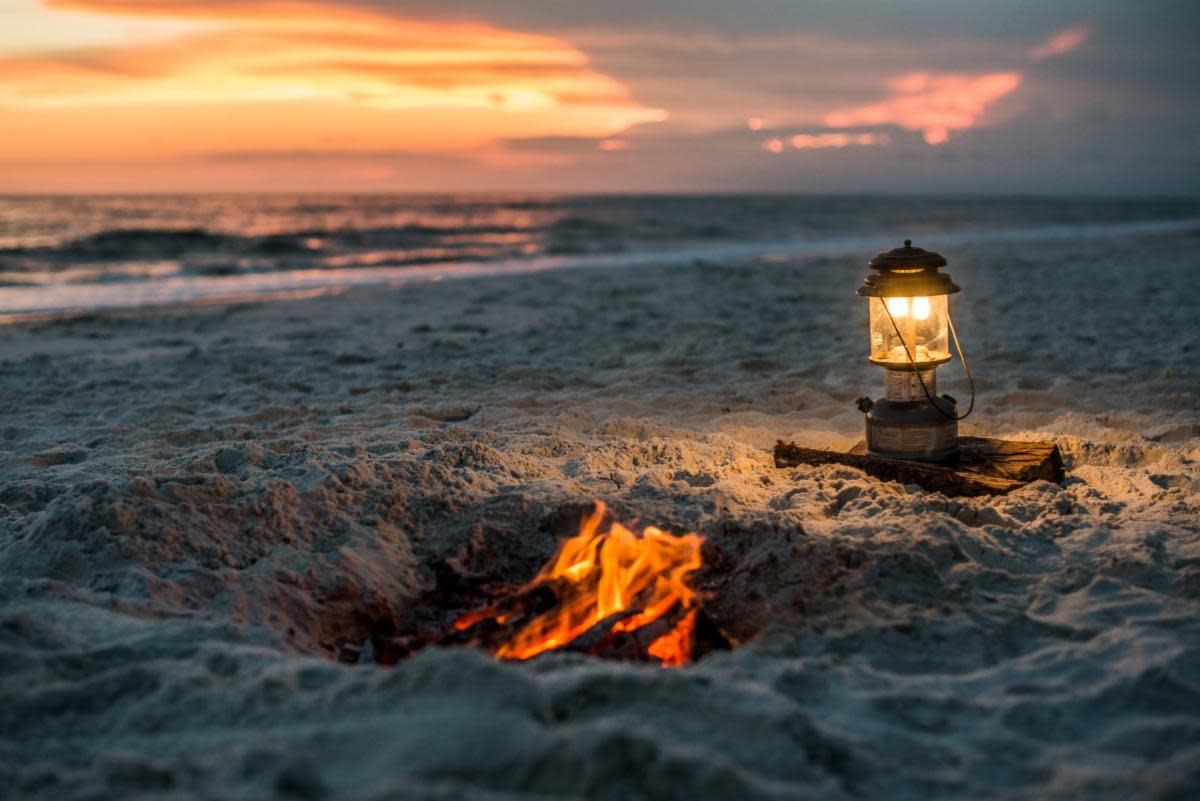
66,255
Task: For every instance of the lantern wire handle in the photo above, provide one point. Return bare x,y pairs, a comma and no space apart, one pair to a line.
917,372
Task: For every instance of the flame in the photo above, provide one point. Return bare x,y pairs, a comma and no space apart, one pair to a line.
674,648
600,573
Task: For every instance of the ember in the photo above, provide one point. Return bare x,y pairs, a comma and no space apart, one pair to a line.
628,592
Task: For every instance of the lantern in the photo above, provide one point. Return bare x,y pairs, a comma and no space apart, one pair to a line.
911,331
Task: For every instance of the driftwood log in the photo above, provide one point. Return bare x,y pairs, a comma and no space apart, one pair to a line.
983,466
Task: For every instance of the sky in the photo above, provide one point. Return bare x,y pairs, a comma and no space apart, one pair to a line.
1068,97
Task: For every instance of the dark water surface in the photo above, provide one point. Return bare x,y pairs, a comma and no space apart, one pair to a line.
66,254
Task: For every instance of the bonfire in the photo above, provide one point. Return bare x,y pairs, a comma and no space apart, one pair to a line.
609,591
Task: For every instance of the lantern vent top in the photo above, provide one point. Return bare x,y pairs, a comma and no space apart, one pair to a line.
907,272
907,258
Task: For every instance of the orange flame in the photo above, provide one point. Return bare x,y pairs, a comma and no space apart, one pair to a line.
597,574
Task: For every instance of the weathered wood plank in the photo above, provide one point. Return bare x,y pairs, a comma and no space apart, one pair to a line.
983,466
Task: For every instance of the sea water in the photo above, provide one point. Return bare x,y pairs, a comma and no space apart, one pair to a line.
64,255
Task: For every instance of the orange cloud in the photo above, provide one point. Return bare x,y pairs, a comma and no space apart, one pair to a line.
934,104
1062,42
299,76
175,8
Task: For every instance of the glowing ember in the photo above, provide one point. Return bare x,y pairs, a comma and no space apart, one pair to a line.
600,574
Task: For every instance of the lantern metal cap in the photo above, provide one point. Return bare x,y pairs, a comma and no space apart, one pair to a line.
907,272
907,258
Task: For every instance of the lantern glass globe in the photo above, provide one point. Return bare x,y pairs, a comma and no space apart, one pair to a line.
904,329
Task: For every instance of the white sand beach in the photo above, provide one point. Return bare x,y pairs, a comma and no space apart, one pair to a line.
199,506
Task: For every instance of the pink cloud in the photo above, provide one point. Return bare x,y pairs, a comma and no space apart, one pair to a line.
1062,42
933,103
823,140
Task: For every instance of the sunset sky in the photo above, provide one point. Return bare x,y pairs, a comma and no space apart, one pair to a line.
637,95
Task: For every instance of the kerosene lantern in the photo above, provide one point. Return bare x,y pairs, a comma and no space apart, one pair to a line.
910,337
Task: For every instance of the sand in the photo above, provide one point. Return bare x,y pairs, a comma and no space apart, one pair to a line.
199,506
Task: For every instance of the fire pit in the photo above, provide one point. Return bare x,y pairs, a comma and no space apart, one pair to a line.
610,591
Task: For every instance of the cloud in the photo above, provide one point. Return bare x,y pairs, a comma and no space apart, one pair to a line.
838,140
1061,43
934,104
258,76
940,104
178,95
821,141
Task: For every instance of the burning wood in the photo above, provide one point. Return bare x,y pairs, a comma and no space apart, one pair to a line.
610,592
